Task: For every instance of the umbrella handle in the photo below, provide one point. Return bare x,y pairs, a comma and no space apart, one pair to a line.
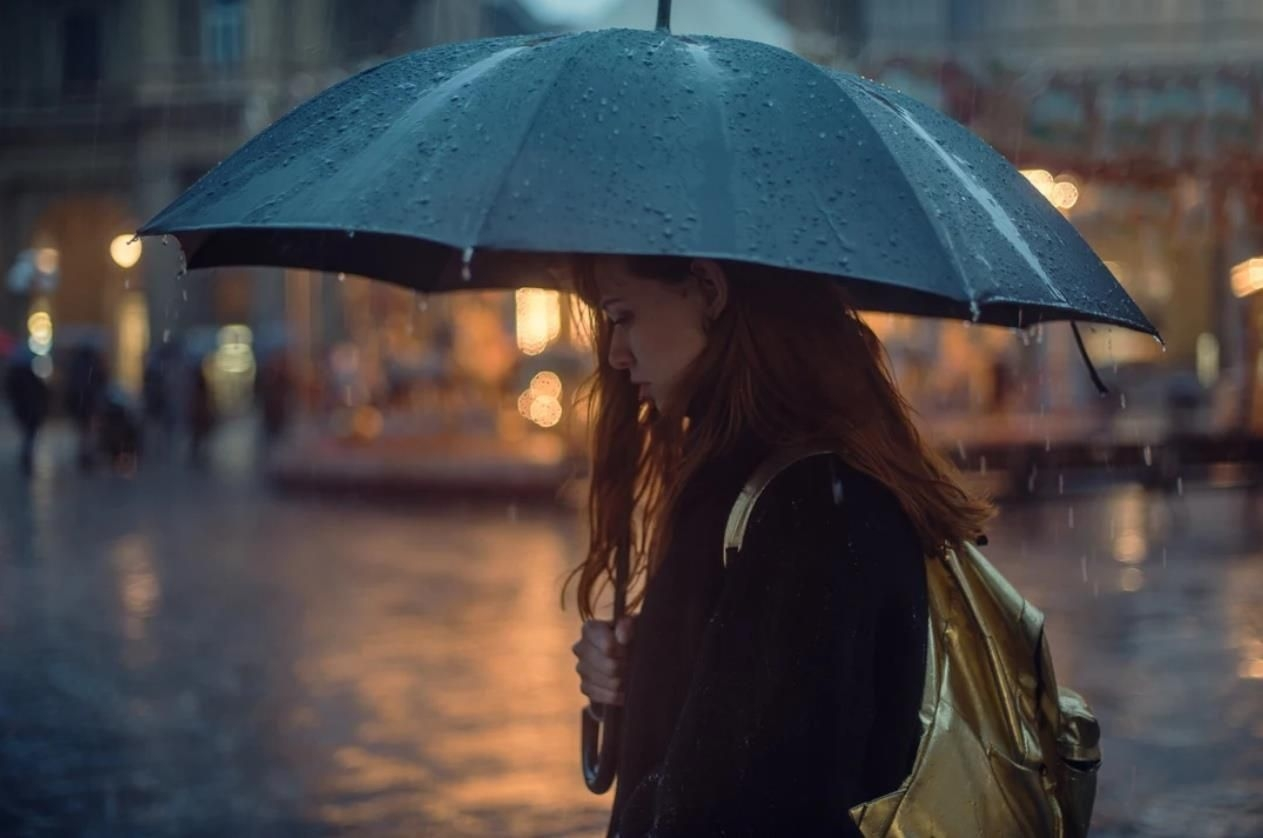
600,753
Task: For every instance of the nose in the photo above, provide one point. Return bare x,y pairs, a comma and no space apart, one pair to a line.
620,356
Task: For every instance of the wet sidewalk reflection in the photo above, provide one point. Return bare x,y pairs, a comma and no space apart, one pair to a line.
186,655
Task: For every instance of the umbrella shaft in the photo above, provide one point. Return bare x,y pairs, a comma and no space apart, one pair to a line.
664,15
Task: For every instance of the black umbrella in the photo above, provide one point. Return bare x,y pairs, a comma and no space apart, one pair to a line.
428,169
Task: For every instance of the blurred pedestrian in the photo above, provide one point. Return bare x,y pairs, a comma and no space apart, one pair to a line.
120,431
201,412
274,389
87,376
29,400
160,401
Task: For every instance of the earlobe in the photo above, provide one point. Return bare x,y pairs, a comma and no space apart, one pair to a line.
713,282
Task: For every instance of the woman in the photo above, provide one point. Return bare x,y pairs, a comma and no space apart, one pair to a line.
770,696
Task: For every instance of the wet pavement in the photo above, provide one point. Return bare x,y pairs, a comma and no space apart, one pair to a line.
186,653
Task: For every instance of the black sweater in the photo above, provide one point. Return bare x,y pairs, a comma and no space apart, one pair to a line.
770,697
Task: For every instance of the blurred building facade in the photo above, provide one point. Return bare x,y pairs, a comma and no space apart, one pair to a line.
109,109
1144,123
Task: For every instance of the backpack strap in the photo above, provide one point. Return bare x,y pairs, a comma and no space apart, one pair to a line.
759,480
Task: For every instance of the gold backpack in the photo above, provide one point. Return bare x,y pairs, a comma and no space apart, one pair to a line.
1004,751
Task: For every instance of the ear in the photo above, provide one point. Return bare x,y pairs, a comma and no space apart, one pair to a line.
713,282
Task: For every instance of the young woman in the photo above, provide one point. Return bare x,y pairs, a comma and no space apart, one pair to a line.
769,696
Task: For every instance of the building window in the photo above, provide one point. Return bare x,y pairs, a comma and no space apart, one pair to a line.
81,50
223,31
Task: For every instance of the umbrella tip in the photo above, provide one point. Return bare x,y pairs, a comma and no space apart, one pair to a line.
664,15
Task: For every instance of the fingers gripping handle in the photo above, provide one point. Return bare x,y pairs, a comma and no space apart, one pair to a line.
600,752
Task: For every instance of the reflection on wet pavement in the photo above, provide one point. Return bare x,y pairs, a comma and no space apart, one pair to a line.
184,655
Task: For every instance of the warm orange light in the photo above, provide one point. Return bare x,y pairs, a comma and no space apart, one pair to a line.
538,319
1247,277
125,250
47,259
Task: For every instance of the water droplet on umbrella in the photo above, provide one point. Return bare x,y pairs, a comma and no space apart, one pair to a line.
350,234
133,239
165,239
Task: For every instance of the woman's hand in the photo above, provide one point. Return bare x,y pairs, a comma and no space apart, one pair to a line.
602,651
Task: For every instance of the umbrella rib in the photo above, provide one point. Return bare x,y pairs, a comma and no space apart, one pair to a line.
583,44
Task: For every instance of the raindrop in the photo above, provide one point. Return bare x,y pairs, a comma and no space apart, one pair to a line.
1061,484
467,256
960,449
1148,455
1164,557
127,283
1096,590
1083,566
1070,517
423,302
166,335
341,277
1030,481
1122,400
974,311
512,512
982,465
350,234
1179,486
185,295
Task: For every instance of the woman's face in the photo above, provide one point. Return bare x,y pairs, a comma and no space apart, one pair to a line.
659,327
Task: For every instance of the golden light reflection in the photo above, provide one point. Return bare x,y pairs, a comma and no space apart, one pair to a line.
541,401
47,260
538,319
1247,277
1251,669
451,651
139,594
125,250
1062,191
546,384
40,328
1128,520
1132,579
546,411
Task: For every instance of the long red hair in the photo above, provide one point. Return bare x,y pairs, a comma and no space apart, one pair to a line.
789,362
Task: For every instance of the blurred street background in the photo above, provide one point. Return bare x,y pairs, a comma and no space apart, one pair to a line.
281,551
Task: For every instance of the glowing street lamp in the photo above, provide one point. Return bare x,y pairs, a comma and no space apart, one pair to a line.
125,250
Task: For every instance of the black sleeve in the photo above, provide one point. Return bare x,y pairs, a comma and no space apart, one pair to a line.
773,735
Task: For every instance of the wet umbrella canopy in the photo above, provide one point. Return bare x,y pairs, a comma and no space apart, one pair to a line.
439,170
644,142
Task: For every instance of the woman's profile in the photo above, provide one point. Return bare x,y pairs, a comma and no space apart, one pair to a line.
769,696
